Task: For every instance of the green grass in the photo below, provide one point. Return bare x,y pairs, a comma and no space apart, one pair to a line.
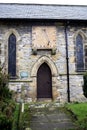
24,120
79,111
16,117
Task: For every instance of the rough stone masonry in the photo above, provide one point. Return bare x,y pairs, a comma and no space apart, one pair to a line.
37,43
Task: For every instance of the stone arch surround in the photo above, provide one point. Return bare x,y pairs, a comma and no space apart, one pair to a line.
82,34
54,71
9,32
40,61
5,41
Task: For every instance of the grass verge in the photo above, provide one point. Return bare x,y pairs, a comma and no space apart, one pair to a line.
79,111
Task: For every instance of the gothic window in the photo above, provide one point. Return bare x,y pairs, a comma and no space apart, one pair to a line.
0,53
85,57
12,55
79,53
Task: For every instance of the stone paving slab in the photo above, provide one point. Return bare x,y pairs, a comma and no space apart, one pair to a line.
49,118
52,126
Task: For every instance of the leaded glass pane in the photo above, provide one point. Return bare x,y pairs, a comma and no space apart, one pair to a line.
85,50
85,57
79,53
12,55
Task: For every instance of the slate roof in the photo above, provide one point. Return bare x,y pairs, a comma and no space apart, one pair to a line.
37,11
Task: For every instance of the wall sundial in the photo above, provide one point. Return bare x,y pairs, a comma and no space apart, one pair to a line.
43,37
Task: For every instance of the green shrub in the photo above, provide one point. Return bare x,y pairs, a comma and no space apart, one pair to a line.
4,90
5,122
6,115
7,105
85,85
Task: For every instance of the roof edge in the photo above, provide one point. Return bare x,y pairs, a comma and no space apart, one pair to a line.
43,4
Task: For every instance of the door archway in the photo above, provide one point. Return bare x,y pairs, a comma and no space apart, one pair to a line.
54,73
44,82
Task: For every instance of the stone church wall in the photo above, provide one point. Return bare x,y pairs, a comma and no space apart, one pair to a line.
26,87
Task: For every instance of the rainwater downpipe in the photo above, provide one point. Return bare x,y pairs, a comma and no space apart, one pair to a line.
67,61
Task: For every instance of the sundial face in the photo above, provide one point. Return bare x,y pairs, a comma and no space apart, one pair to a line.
43,37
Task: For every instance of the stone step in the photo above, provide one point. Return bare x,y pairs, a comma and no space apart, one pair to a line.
50,118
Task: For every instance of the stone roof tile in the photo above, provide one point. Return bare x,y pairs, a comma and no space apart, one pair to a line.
32,11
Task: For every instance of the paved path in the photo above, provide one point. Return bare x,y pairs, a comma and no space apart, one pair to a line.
50,118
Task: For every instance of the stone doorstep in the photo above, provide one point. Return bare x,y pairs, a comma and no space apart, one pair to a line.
46,103
28,129
44,100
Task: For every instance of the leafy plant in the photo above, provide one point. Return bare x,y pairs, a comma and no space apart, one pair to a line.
16,117
4,90
7,105
85,85
24,120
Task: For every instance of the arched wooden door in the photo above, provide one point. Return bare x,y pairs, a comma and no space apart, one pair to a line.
44,82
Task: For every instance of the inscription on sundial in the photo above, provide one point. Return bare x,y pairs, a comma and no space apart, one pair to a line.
43,37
